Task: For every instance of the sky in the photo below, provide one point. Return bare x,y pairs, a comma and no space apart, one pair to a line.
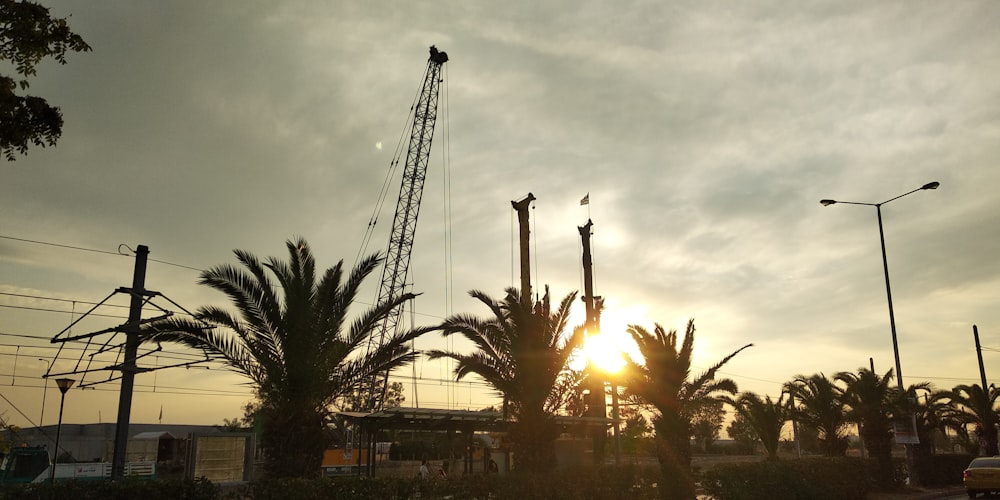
705,134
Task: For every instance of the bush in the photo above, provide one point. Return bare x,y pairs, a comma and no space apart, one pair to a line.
812,478
128,489
596,483
941,470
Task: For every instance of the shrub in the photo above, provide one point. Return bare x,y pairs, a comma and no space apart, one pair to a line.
813,478
595,483
941,470
127,489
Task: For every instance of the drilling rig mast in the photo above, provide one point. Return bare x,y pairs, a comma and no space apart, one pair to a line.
404,223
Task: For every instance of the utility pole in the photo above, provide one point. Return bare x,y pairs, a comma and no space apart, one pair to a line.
128,367
522,222
596,385
990,425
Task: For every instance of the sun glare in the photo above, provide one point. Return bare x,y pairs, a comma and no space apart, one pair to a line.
608,349
604,351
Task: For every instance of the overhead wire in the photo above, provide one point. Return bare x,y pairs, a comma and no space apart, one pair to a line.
94,250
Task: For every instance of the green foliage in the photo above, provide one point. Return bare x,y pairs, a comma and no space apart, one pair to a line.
28,34
636,430
973,405
764,417
820,407
574,483
872,401
743,433
128,489
427,446
937,471
664,382
521,351
807,479
706,422
293,339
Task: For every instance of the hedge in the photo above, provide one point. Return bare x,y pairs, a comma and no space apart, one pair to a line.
127,489
840,478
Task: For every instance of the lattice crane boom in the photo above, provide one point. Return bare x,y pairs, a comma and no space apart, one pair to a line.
404,223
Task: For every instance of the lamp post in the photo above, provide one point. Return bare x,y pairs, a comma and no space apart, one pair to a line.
64,385
888,290
45,382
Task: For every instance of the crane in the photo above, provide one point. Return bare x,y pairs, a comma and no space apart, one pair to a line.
404,222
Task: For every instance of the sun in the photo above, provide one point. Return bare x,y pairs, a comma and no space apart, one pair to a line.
605,351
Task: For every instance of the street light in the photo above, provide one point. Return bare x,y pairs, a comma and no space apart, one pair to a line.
45,382
64,385
888,290
885,265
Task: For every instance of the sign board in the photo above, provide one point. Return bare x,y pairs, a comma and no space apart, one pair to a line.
905,432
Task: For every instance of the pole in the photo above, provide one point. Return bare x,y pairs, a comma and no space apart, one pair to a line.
129,365
990,425
64,385
895,344
524,239
617,426
45,381
979,354
888,294
595,374
55,453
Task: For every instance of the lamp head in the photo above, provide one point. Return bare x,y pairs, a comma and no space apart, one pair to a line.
827,203
64,384
931,185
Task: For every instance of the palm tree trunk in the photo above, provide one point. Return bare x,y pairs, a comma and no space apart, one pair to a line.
533,438
673,451
294,443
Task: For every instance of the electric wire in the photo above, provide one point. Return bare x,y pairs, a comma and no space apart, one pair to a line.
94,250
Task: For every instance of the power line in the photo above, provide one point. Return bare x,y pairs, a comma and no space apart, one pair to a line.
190,391
120,306
118,253
44,309
60,245
61,300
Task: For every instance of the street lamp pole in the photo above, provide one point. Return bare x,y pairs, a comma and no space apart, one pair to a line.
64,385
885,266
888,289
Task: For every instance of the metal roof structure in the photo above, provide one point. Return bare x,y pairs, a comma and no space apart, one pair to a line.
435,419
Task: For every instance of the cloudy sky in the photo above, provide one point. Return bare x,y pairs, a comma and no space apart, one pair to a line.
704,132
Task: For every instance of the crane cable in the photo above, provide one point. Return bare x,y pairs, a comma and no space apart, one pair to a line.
384,190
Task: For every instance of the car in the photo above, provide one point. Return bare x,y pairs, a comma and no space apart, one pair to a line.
982,476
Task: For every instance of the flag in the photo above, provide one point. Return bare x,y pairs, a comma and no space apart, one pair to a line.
585,200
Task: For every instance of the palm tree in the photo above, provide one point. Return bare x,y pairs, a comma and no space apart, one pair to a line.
296,347
871,401
664,383
820,407
944,415
979,407
765,416
521,351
